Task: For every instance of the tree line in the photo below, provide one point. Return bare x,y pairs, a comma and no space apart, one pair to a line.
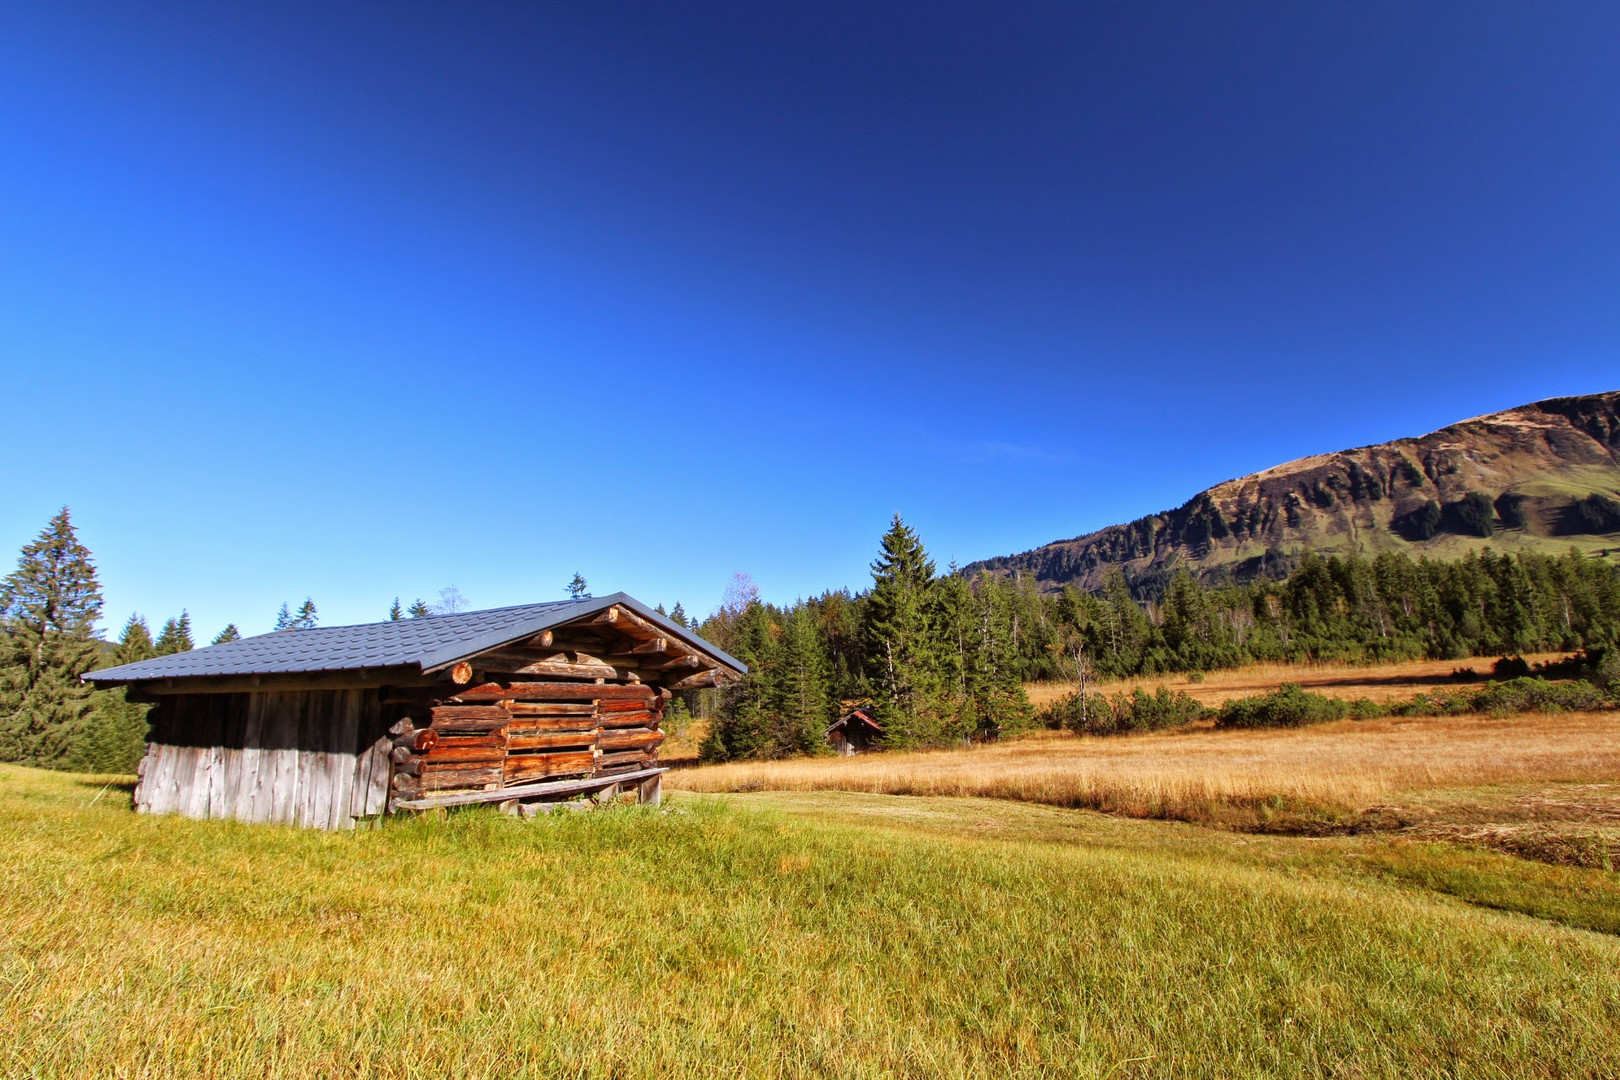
937,657
940,658
49,607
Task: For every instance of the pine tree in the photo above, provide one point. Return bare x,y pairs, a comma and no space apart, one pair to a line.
996,702
284,618
743,726
396,612
803,705
230,633
305,619
901,642
419,609
577,589
175,637
677,615
48,611
114,736
135,643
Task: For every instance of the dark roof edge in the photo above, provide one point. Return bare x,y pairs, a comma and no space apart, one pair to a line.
469,649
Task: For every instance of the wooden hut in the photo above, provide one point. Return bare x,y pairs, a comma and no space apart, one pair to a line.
327,726
854,733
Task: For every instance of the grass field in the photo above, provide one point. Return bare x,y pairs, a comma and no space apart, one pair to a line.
786,934
1374,774
1376,682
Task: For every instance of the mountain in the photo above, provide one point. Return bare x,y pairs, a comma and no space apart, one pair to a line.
1542,477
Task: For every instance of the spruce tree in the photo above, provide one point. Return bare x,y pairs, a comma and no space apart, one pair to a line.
577,589
677,615
48,611
419,609
284,617
305,619
744,725
230,633
175,637
803,705
996,701
396,612
902,645
135,643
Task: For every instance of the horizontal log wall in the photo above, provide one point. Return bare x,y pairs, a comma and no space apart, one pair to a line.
502,734
313,757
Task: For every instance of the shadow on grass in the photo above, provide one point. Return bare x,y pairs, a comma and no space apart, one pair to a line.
109,784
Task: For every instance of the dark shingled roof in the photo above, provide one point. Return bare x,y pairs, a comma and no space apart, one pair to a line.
431,642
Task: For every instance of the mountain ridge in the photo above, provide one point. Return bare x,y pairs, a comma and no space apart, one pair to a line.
1538,477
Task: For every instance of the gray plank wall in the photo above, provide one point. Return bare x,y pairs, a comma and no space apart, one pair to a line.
307,757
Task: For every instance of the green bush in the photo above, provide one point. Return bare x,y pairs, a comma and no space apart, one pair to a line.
1520,695
1510,667
1286,706
1123,714
1604,668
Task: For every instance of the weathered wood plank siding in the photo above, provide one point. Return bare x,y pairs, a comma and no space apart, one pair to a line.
304,757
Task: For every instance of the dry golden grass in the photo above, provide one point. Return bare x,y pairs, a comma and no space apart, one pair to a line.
1376,682
1324,773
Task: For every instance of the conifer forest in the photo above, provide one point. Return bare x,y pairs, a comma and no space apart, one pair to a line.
938,658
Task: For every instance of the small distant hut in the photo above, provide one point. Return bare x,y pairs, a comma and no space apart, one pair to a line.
854,733
329,726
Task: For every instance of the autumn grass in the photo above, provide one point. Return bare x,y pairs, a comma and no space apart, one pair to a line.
1376,682
826,935
1327,773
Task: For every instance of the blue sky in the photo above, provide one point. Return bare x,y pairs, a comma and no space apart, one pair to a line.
356,301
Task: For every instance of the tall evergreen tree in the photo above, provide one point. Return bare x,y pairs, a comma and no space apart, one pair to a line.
305,619
577,589
419,609
803,704
230,633
284,617
902,646
48,610
744,725
135,643
677,615
396,613
175,637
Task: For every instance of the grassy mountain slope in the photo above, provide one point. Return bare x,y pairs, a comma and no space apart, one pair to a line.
1541,477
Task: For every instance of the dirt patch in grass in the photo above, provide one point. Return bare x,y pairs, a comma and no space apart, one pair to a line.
1563,825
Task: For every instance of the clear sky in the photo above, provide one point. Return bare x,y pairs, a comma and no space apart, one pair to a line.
356,301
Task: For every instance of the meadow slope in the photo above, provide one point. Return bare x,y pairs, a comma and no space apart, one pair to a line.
837,935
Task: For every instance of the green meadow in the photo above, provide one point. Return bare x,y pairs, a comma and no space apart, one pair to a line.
783,934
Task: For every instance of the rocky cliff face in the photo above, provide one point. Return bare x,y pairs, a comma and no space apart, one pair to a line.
1540,477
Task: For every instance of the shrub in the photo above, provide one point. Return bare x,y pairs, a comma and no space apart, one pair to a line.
1520,695
1510,667
1510,508
1420,524
1538,695
1473,515
1286,706
1593,514
1123,714
1604,668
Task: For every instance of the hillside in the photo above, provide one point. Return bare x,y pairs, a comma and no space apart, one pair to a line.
1541,477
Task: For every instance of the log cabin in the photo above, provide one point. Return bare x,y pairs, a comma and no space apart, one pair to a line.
854,733
331,726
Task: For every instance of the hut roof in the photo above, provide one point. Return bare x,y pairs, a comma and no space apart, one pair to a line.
430,643
854,714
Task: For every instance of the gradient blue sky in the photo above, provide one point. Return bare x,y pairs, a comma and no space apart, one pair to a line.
356,301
